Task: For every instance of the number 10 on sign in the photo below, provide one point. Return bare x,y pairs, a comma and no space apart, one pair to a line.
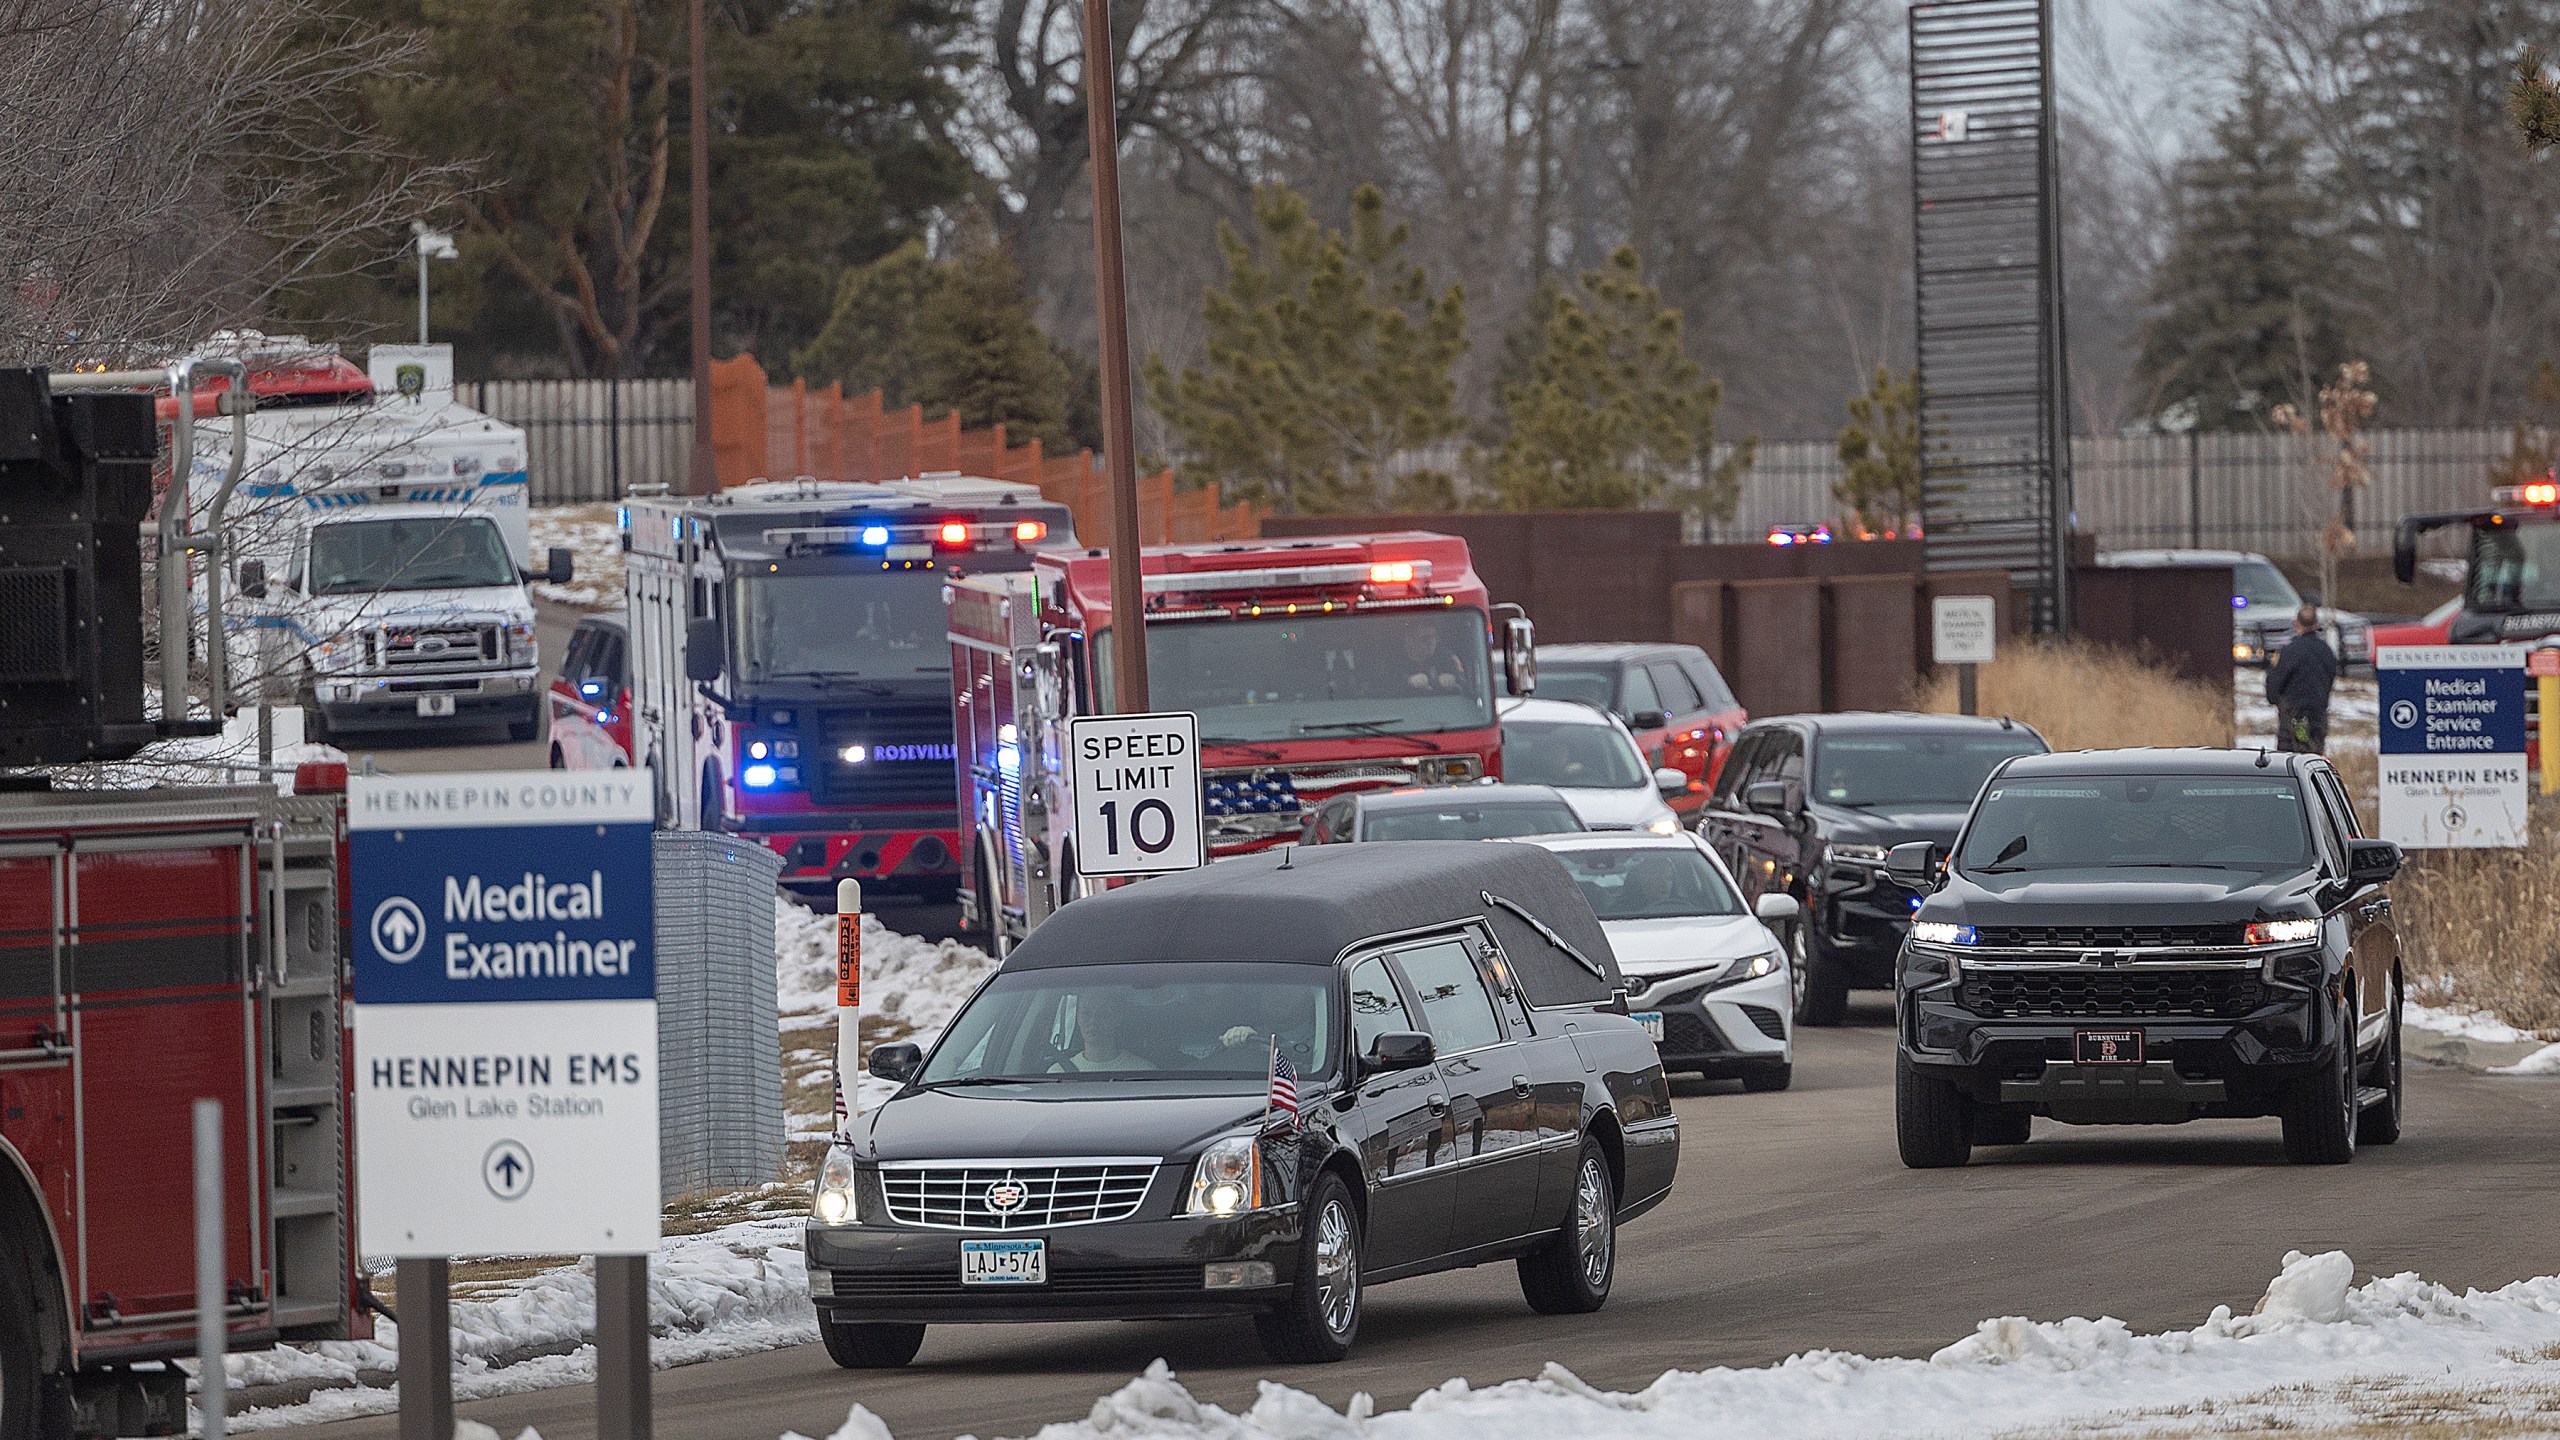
1137,793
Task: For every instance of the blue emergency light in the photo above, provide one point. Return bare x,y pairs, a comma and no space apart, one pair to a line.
759,776
875,534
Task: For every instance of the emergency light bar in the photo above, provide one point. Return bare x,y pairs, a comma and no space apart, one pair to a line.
950,534
2536,492
1300,577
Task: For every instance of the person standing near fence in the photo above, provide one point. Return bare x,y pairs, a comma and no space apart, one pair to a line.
2298,685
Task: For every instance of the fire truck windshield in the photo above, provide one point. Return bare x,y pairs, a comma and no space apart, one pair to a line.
426,552
871,627
2514,567
1380,672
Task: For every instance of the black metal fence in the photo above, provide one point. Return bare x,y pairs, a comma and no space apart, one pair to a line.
593,439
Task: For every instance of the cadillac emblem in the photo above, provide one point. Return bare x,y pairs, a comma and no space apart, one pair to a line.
1006,1196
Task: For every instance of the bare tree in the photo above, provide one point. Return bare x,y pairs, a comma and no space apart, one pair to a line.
166,169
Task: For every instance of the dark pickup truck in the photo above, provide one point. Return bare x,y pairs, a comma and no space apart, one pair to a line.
2150,937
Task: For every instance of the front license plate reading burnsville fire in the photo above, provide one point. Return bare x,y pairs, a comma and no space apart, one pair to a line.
2106,1047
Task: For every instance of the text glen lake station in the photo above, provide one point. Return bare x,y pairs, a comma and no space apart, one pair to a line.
1128,762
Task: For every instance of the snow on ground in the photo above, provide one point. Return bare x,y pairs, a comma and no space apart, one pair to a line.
2462,1023
230,758
734,1290
593,538
2355,710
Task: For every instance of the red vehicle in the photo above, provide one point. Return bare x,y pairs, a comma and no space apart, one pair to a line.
158,947
1672,697
2433,628
590,701
1315,666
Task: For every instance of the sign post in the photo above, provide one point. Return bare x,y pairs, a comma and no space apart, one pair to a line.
506,1051
2543,664
2452,762
1963,633
1136,780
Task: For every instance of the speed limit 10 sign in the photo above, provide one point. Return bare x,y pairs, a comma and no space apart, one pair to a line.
1137,791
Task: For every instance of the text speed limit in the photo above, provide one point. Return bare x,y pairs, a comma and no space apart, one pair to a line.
1137,789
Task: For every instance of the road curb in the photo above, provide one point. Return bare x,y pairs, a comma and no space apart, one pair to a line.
2438,1048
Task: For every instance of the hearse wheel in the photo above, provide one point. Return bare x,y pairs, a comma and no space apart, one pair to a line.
1321,1317
859,1346
1570,1275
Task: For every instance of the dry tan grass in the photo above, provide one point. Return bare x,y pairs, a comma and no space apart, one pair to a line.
2368,1409
2084,697
2481,928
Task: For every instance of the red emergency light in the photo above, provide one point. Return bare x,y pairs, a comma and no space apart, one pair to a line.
955,532
1030,530
2532,492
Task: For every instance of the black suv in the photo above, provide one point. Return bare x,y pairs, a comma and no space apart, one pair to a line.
1808,805
2150,937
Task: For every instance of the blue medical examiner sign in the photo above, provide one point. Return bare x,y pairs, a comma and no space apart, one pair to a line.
505,1013
2452,744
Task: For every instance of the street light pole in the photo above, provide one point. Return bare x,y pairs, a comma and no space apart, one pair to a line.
702,476
1119,429
431,245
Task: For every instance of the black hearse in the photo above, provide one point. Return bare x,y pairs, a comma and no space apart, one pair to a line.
1093,1136
2148,937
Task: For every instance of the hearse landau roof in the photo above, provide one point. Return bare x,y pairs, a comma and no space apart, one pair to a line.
1310,904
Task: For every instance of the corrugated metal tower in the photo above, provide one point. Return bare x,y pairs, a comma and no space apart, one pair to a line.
1987,253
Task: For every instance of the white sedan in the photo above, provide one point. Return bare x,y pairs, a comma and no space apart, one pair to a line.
1590,757
1706,975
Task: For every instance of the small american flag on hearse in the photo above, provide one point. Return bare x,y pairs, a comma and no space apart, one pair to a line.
1284,1089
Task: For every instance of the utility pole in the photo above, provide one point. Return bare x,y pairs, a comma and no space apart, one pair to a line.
1119,429
702,476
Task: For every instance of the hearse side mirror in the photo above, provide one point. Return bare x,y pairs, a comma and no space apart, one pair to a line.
1777,908
1913,864
1395,1050
1670,781
2370,862
1767,797
898,1061
561,567
703,655
253,579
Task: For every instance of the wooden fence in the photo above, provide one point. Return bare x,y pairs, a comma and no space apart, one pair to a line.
760,430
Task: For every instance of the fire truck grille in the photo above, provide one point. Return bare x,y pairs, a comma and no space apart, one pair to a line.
877,756
444,647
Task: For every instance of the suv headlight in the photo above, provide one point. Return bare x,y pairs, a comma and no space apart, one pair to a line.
1859,854
1228,1178
832,1201
521,649
1663,825
2282,932
1940,932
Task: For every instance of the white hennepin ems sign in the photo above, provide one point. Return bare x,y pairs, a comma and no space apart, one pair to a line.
506,1014
1137,791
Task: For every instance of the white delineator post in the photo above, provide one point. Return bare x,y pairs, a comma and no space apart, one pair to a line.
848,1003
213,1300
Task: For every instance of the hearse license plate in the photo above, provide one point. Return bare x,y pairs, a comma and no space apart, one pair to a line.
1004,1262
2106,1047
435,704
1651,1020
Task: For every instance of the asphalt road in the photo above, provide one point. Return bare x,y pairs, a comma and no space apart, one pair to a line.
1792,1227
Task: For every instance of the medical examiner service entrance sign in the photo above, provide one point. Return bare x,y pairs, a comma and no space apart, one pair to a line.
2452,762
506,1014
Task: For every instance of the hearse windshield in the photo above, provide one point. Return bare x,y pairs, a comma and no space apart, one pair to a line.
871,627
1391,672
2514,567
1204,1026
2079,822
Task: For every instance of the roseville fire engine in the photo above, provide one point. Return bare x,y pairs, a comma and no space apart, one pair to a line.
1314,666
788,665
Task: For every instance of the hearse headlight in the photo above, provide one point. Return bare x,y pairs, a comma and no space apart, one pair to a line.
1941,932
831,1200
1228,1178
2282,932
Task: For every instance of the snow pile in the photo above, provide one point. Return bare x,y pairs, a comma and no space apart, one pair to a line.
2462,1023
2314,1328
916,983
737,1290
2545,1061
592,535
230,758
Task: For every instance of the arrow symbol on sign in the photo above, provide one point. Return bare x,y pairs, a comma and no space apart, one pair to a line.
397,927
508,1168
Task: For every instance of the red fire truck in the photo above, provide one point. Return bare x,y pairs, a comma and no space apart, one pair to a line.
2511,575
786,662
1315,666
158,947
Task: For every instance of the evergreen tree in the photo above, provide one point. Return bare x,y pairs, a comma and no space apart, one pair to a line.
954,335
1329,365
1880,454
2247,302
1614,414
